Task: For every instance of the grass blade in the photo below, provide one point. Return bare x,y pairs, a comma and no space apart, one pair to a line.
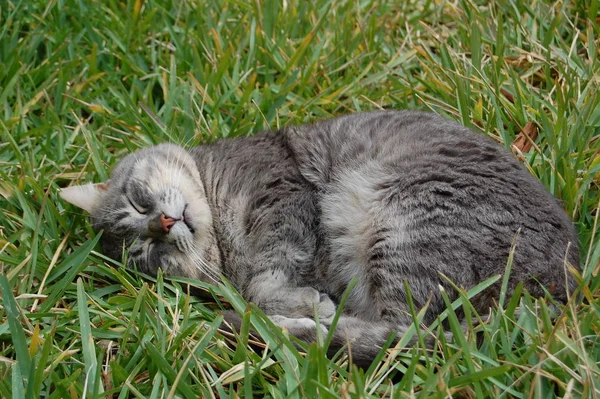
92,368
17,333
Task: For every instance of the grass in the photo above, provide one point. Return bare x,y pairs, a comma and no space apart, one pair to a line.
82,83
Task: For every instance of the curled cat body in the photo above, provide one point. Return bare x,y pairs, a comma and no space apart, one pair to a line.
291,217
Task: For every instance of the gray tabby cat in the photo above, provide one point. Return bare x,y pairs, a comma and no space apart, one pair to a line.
291,217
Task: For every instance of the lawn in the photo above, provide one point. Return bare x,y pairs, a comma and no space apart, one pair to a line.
82,83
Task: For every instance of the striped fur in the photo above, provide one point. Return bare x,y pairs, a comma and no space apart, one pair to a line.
291,217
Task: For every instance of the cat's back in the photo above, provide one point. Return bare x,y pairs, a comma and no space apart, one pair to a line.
410,150
390,138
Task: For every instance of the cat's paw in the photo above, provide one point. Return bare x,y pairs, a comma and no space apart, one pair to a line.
326,308
296,326
324,305
297,303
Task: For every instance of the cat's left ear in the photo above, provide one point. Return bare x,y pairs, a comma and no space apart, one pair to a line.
87,197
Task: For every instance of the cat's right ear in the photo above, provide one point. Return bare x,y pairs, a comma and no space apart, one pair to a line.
87,197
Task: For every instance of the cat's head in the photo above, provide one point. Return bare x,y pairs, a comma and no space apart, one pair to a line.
155,207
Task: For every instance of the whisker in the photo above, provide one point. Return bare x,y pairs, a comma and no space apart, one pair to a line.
202,265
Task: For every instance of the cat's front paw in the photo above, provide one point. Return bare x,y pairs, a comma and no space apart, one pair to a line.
325,308
297,303
298,327
314,299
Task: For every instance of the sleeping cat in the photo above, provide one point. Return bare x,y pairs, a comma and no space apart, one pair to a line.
291,217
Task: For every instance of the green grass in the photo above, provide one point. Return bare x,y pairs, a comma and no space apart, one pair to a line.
82,83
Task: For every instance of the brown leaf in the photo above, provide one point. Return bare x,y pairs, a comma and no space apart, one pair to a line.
525,139
508,96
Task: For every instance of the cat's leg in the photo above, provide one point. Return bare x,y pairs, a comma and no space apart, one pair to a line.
276,294
389,242
389,272
274,264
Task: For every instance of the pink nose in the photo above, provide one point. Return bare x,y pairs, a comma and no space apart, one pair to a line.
166,222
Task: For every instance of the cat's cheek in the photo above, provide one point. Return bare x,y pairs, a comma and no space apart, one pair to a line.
199,218
180,264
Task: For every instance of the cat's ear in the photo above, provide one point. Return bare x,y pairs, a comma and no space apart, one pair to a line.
87,197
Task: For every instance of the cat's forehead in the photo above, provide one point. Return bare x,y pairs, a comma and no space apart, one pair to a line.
162,154
155,166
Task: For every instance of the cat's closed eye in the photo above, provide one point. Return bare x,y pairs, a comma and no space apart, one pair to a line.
139,197
138,208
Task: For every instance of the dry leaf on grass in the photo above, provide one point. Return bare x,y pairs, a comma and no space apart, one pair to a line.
525,139
508,96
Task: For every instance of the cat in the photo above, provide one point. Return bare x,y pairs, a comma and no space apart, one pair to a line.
291,217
